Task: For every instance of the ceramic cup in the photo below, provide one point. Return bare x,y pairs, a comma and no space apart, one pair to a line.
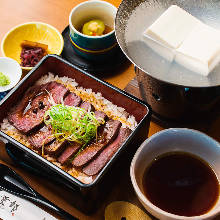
92,47
169,140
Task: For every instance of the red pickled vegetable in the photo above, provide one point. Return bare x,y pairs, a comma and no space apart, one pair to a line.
32,53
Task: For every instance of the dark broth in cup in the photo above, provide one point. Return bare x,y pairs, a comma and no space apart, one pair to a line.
107,30
181,183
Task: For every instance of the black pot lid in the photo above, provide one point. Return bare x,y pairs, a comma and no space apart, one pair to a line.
92,67
134,16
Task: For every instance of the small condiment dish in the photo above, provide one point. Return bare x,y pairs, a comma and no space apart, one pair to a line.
174,140
93,47
11,69
32,31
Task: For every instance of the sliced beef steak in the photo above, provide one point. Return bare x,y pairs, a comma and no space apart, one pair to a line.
106,136
69,152
57,90
72,100
28,114
55,147
87,106
102,159
100,115
41,137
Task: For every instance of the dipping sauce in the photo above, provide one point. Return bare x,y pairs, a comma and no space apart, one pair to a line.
107,30
181,183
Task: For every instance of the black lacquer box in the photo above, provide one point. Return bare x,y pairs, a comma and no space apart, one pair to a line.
86,197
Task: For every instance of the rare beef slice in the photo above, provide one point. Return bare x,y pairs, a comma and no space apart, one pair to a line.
28,114
102,159
87,106
100,116
106,136
55,148
41,137
74,147
72,100
69,152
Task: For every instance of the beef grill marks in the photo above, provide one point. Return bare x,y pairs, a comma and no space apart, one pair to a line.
28,114
106,136
102,159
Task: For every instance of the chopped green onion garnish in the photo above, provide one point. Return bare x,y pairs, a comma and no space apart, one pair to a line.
72,123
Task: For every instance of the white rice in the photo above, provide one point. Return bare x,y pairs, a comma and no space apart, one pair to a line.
113,111
98,101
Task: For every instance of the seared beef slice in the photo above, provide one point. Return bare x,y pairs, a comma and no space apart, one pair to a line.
87,106
55,147
72,100
74,147
102,159
69,152
41,137
106,136
57,90
100,115
29,113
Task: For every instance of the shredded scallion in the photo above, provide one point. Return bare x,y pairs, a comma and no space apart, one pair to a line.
72,123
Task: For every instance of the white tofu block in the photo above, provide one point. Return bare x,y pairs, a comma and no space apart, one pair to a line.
200,51
172,27
160,49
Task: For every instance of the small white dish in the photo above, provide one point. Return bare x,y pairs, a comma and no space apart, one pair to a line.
168,140
12,69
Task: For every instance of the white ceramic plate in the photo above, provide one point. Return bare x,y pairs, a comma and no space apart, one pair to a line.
12,69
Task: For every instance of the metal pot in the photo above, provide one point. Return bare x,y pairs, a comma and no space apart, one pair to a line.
174,93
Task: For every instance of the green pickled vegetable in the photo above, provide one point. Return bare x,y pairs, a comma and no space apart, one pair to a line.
4,80
72,123
93,28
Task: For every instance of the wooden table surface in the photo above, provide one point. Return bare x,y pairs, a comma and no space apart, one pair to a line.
56,13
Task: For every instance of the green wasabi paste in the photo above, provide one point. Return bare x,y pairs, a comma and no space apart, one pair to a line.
4,80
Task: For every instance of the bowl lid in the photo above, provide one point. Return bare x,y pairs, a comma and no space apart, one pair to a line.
135,16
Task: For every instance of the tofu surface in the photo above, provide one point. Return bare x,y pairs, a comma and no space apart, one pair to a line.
172,27
200,51
160,49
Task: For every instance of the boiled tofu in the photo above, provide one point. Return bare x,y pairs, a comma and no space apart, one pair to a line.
160,49
200,51
172,27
